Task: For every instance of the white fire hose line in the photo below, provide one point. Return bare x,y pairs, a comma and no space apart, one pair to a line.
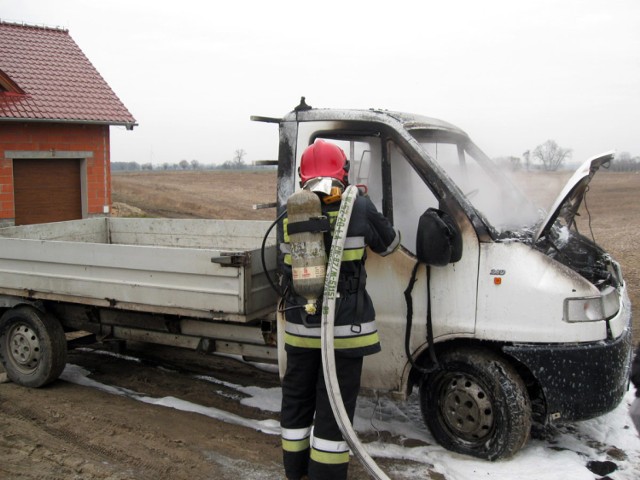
328,319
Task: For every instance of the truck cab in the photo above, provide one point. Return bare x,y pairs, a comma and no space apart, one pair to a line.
530,326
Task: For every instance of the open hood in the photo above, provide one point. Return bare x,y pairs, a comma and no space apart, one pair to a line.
568,202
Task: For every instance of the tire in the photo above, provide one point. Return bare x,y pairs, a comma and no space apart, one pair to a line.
476,404
33,348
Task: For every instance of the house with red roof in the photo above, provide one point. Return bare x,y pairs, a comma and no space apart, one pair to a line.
55,114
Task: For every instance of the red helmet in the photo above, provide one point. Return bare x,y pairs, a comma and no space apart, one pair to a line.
322,159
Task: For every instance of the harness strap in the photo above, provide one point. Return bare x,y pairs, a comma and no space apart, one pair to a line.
314,225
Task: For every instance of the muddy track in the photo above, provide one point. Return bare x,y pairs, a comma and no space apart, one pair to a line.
68,431
78,444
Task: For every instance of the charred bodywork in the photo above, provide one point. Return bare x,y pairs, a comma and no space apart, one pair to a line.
528,292
582,255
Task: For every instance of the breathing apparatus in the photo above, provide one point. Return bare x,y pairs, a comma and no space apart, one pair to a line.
323,171
306,227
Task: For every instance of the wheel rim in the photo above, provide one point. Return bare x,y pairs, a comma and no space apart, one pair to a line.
24,348
466,408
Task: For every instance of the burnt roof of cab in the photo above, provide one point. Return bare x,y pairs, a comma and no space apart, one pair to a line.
408,121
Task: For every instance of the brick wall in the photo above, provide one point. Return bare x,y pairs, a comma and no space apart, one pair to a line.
6,189
59,137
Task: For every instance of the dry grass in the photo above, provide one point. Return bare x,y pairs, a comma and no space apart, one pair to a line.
613,203
195,194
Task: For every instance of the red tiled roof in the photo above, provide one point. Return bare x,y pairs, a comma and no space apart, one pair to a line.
58,81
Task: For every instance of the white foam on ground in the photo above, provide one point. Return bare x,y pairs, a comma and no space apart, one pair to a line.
563,458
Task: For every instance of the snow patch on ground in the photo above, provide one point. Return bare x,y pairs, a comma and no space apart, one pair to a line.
79,375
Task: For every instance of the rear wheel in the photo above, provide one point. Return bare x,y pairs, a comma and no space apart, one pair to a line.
476,404
33,348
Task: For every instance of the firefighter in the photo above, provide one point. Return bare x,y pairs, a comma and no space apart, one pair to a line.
316,448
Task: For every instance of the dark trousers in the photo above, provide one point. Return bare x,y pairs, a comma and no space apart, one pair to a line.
303,395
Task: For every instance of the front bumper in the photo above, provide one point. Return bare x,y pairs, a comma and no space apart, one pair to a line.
578,381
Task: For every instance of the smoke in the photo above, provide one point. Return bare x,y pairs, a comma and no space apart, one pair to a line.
489,188
507,202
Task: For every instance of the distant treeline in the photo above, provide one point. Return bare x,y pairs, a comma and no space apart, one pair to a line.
623,162
185,165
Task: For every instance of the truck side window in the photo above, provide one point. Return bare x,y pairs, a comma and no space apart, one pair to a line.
411,197
364,154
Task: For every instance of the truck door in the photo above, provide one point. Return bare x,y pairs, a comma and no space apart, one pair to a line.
402,195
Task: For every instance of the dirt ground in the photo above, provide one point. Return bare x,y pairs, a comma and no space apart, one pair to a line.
69,431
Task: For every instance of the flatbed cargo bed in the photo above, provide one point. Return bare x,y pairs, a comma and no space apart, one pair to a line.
197,268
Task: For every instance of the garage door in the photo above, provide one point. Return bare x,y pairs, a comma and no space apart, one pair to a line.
46,190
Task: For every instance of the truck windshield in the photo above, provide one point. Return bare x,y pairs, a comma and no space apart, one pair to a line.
487,187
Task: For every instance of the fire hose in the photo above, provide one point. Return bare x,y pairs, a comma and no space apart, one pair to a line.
327,339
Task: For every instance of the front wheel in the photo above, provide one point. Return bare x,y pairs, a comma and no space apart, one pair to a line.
476,404
33,348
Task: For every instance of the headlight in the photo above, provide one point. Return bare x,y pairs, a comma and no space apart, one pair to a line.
588,309
592,309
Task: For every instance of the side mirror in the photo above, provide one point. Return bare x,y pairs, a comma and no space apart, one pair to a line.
439,241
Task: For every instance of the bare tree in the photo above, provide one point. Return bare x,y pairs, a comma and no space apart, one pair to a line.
195,164
184,164
551,155
238,158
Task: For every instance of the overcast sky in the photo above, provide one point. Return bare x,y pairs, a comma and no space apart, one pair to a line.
512,74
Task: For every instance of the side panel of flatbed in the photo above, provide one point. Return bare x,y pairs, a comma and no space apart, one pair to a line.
198,268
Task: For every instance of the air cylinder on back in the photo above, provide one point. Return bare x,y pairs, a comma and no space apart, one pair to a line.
308,256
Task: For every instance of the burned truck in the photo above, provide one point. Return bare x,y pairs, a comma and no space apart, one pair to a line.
529,323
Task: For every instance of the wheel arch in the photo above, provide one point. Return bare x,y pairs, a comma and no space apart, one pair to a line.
533,386
8,302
